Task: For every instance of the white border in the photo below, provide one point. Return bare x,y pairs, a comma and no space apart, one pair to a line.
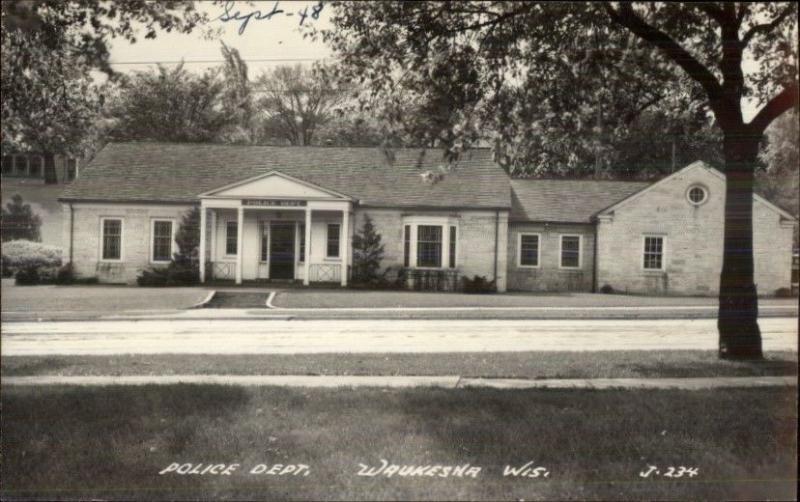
560,251
538,250
121,239
172,244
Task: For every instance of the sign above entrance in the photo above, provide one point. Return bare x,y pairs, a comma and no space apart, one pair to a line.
273,203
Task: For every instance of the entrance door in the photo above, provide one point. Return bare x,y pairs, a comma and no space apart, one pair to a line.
281,251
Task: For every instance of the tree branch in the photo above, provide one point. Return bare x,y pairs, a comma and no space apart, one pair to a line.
712,10
627,18
766,28
780,103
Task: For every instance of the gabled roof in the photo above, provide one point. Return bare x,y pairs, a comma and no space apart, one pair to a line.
179,172
566,201
694,165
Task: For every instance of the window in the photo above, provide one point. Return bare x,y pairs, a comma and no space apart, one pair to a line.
231,237
162,240
72,169
8,164
21,165
452,257
429,246
333,240
301,227
653,253
263,229
697,195
528,250
36,170
407,245
112,239
570,251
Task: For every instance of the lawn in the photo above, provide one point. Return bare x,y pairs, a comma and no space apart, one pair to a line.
112,442
106,299
333,298
605,364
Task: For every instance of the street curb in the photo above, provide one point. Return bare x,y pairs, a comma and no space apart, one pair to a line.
447,381
204,302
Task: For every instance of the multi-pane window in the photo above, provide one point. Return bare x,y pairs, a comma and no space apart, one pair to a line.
407,245
112,239
72,169
653,253
231,237
529,250
333,240
21,165
8,164
162,240
36,167
570,251
302,230
429,246
263,229
452,262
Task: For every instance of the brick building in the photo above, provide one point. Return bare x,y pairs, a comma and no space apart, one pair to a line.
289,213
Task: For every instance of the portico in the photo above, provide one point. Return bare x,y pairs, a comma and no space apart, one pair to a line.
275,227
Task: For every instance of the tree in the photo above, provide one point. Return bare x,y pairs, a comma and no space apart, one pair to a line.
779,180
49,48
188,235
237,98
367,253
296,101
171,105
19,222
512,63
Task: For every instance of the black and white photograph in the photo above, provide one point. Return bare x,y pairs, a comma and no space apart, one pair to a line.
399,250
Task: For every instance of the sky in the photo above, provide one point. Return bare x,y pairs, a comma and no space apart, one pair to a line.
277,38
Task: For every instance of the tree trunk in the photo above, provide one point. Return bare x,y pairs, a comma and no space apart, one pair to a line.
739,334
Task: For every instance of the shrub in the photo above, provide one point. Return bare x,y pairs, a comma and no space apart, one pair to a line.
606,289
478,284
177,273
783,293
66,275
28,276
20,254
367,256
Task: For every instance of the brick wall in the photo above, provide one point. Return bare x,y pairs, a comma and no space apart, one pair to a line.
548,275
693,240
475,250
136,238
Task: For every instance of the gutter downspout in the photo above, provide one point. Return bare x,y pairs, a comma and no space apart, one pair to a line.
594,260
496,243
71,230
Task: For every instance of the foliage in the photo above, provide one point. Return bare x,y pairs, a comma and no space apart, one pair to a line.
22,254
478,284
171,105
66,275
367,253
49,99
779,181
187,236
783,293
295,101
19,222
606,289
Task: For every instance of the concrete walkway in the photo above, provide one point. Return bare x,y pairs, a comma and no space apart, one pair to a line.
447,382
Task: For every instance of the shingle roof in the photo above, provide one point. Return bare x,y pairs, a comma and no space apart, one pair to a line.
566,201
173,172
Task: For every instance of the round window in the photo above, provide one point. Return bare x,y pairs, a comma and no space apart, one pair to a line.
697,195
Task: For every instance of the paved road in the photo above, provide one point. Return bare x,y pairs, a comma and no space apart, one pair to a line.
292,336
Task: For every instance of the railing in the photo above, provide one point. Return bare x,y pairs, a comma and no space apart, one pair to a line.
325,272
430,280
221,270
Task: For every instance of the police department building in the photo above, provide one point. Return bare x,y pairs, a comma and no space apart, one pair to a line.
289,214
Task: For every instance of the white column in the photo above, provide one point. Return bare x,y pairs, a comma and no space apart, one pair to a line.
239,235
213,249
307,257
202,250
344,244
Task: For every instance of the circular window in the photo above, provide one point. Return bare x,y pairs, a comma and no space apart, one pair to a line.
697,195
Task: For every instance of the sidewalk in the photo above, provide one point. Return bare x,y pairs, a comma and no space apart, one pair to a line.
446,382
